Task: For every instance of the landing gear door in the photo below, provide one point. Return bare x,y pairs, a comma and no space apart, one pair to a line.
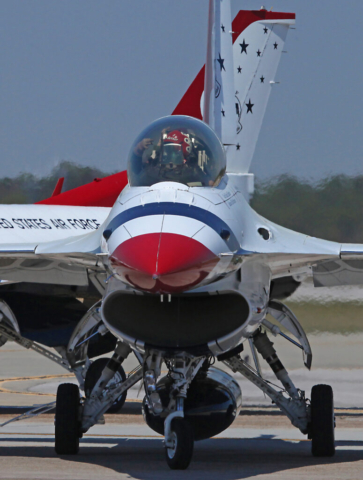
285,317
86,328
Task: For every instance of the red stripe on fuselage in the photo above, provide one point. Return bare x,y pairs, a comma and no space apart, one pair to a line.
163,262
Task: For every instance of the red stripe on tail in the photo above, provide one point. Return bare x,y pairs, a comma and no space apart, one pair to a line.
190,103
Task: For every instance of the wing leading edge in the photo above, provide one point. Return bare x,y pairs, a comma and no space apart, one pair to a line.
48,244
291,253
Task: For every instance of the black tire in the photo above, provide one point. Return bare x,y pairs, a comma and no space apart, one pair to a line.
8,324
92,376
67,422
181,455
322,421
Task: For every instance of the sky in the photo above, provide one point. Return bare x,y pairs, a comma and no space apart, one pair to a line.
80,80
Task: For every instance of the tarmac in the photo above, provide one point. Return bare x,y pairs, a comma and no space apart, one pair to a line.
261,444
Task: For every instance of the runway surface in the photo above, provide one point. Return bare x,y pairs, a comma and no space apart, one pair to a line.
261,444
262,447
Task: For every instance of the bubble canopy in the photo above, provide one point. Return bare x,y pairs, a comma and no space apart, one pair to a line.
176,149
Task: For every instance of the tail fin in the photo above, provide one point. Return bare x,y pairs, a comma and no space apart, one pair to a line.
102,192
58,188
219,104
258,40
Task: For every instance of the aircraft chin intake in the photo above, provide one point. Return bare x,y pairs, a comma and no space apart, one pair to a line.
186,321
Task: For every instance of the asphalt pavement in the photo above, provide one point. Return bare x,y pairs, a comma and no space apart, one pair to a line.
261,443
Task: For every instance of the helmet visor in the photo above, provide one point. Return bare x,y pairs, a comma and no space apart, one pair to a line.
172,153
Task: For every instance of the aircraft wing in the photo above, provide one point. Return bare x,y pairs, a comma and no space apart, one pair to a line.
290,253
329,265
48,244
63,262
348,270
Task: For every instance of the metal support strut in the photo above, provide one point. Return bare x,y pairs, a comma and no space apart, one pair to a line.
183,372
95,407
121,353
295,408
12,335
265,348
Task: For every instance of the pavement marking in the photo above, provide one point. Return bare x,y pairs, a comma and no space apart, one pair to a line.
23,379
94,435
42,444
40,377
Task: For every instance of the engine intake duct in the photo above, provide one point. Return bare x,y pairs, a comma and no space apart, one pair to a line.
185,321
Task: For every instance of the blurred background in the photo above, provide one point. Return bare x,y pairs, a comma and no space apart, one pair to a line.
80,80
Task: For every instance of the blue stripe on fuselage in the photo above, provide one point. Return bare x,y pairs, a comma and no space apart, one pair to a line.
180,209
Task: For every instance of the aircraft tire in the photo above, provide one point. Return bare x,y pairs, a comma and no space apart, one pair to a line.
322,421
179,457
3,339
93,374
67,424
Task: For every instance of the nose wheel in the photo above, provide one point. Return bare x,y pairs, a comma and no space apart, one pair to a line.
179,451
322,421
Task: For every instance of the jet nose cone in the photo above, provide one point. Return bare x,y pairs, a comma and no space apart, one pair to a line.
163,262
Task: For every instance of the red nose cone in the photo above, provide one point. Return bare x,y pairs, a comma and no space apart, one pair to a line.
163,262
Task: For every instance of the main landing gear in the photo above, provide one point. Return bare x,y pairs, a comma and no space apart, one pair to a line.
322,423
94,373
67,420
74,417
316,419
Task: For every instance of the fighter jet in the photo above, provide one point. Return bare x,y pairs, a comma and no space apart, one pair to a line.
180,268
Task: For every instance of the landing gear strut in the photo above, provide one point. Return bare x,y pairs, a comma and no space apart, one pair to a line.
317,419
94,373
179,435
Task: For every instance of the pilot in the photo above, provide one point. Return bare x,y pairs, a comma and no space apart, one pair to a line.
179,161
177,147
172,159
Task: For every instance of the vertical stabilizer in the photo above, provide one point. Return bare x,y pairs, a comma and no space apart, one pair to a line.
258,42
219,105
258,39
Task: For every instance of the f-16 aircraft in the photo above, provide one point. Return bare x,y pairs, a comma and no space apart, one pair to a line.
175,267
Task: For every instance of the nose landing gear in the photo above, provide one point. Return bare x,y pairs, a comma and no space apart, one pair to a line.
179,435
179,447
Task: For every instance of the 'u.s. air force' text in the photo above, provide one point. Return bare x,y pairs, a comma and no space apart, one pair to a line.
57,223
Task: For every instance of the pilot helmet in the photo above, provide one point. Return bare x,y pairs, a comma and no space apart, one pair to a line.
177,146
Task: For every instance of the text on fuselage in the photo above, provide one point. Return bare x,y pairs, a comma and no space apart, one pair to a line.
53,223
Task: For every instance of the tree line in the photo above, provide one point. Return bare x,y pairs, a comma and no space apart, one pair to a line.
331,208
